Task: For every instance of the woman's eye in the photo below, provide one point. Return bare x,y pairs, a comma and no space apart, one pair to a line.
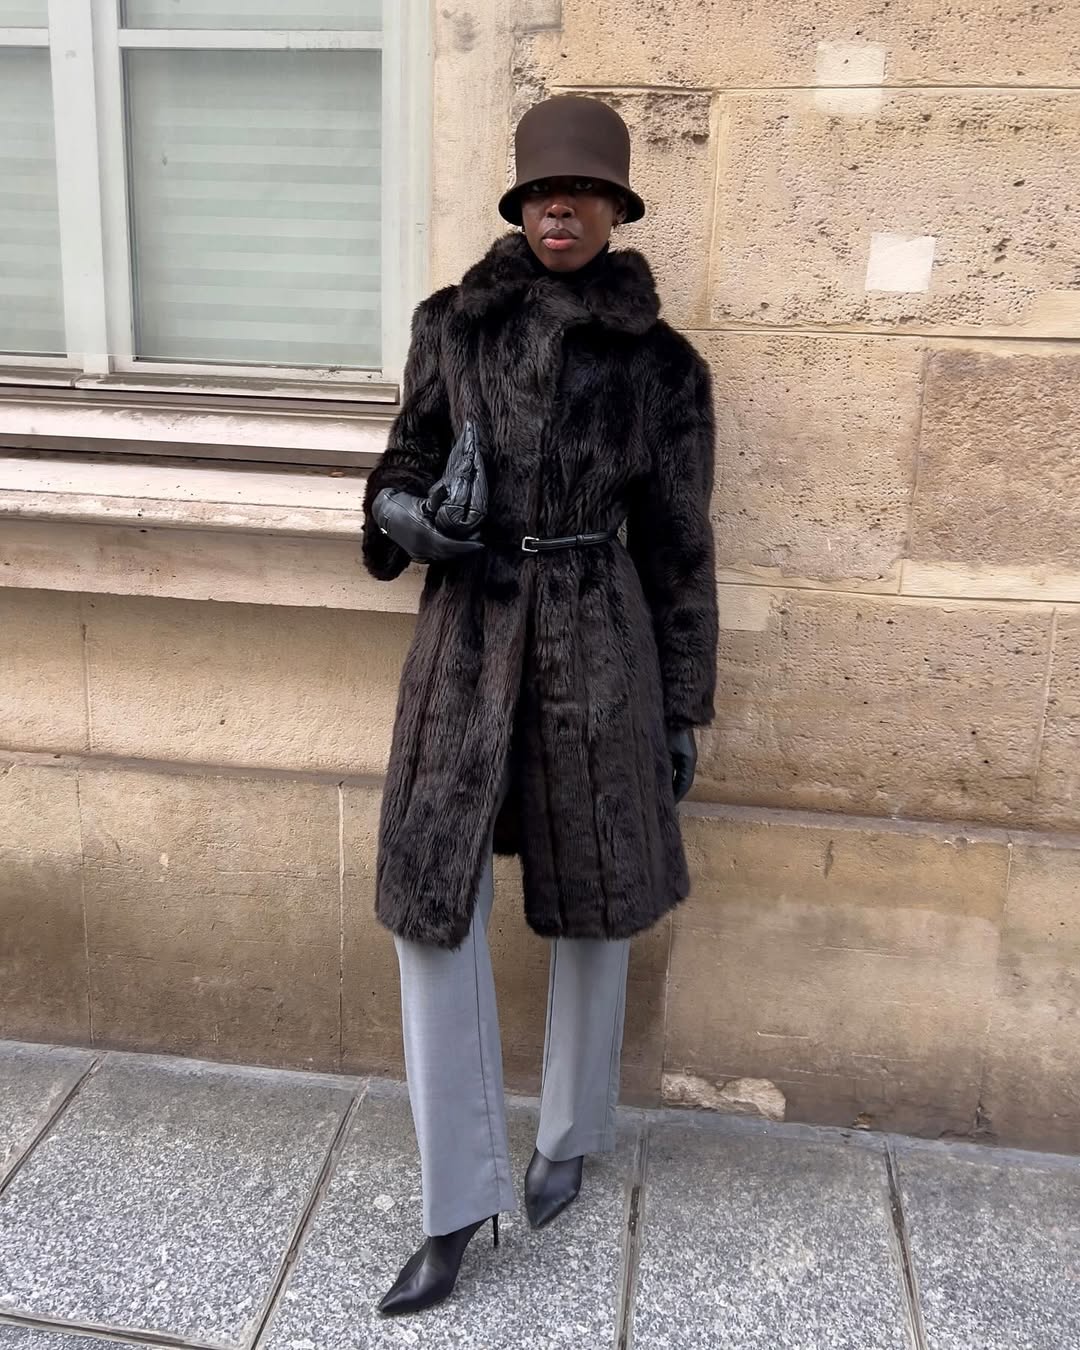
583,184
538,187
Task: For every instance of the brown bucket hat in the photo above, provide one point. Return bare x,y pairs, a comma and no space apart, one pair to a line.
571,136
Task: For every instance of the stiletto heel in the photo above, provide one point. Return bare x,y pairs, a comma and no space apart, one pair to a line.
430,1273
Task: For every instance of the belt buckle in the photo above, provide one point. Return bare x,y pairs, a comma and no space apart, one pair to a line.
530,544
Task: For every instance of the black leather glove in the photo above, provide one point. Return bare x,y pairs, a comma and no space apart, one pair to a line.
402,516
683,748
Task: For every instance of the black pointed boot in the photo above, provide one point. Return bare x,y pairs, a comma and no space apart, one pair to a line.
430,1273
550,1186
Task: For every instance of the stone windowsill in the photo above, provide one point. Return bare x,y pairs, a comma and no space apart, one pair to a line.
318,503
218,531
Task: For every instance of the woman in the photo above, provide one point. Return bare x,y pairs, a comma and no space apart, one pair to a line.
548,700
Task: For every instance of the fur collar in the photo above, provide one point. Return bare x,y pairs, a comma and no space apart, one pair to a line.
621,297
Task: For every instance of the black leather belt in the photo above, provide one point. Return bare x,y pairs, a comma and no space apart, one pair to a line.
531,544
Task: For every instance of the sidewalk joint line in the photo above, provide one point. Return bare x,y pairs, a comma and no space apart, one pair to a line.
303,1227
632,1221
50,1124
900,1229
95,1331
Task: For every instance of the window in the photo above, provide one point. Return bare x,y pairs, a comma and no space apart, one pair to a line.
212,189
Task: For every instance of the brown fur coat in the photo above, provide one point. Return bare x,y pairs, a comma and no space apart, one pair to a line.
590,410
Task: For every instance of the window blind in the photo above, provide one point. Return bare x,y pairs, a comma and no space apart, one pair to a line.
31,295
24,13
254,185
344,14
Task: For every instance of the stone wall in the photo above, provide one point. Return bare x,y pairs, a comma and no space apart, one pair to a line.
867,220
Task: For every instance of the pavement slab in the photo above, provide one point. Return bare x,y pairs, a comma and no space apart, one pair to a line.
165,1198
34,1080
758,1237
995,1244
552,1289
29,1338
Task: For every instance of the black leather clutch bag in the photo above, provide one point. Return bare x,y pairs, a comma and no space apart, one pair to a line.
458,502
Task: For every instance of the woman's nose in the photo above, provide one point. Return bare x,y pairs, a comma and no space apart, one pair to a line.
560,207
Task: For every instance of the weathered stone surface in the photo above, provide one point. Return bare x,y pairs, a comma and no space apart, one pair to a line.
43,981
735,1096
1035,582
761,1240
213,915
995,1247
999,458
35,1080
370,987
244,684
1031,1089
880,706
668,42
42,682
473,51
849,965
219,565
805,189
815,453
674,172
166,1198
1057,787
24,1338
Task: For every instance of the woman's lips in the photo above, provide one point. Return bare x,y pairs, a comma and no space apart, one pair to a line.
557,243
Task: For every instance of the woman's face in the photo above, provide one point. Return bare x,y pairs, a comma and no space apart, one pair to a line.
568,220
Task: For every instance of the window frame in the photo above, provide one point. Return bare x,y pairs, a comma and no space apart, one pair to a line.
86,49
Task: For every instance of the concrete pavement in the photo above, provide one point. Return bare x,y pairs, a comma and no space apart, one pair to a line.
173,1203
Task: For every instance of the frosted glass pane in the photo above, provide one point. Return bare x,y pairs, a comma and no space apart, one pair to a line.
24,13
345,14
256,205
31,297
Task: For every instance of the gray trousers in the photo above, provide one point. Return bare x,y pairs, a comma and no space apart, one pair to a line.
453,1062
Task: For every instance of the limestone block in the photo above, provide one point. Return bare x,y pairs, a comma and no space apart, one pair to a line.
672,42
370,988
849,965
213,915
371,1017
43,982
260,569
244,684
1031,1093
999,458
879,706
674,173
811,194
471,97
1057,787
815,453
733,1096
42,682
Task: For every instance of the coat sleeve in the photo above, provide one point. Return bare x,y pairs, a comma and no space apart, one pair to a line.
419,438
670,536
